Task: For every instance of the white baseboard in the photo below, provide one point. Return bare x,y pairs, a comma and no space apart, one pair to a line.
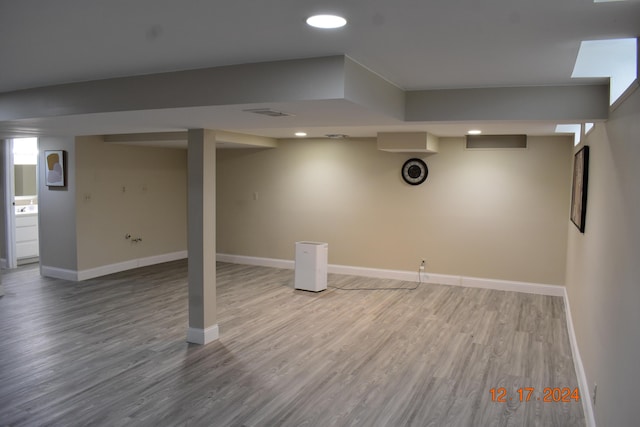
203,336
103,270
507,285
251,260
130,265
3,263
58,273
159,259
442,279
583,383
410,276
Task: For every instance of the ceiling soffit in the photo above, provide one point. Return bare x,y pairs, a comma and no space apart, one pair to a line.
336,78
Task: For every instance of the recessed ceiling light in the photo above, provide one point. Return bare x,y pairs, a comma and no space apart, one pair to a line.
474,132
300,134
326,21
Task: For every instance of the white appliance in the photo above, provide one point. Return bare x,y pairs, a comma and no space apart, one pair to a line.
311,266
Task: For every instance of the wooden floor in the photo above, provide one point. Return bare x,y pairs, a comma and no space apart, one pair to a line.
112,352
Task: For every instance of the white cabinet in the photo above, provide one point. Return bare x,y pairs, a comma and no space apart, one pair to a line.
311,266
27,236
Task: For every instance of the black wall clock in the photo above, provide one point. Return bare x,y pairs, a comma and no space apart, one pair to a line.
414,171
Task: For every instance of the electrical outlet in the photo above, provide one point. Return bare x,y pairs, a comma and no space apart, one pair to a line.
422,265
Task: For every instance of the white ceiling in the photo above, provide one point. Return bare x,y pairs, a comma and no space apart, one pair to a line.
414,44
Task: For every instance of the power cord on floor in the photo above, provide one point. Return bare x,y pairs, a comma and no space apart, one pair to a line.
383,289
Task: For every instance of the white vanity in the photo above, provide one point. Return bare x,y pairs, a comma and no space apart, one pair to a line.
27,233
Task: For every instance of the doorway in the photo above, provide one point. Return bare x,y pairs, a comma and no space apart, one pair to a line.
21,180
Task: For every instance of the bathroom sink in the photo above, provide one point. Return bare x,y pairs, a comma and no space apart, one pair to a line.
26,210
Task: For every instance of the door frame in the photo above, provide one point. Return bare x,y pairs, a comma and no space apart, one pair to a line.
9,202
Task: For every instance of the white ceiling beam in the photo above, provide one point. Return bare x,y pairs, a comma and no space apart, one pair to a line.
179,139
559,103
366,88
278,81
238,87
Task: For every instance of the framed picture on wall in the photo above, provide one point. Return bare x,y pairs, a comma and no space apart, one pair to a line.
579,188
54,168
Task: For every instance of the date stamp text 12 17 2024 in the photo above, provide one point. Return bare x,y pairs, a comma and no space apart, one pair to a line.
526,394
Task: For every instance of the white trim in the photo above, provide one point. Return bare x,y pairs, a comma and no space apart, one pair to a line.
585,394
373,272
203,336
10,211
410,276
442,279
250,260
103,270
507,285
58,273
159,259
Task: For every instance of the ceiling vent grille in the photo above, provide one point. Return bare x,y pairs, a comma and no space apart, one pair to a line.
496,142
268,112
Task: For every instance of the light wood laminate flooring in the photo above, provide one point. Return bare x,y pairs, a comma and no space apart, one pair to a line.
111,352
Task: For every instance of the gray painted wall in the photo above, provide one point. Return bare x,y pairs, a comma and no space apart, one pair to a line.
57,209
603,270
153,205
495,214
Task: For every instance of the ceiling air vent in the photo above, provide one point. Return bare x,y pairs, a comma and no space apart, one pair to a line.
268,112
494,142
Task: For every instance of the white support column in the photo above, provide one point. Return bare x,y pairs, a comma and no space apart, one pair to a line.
201,217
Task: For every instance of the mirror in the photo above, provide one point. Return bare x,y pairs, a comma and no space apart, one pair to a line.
25,180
